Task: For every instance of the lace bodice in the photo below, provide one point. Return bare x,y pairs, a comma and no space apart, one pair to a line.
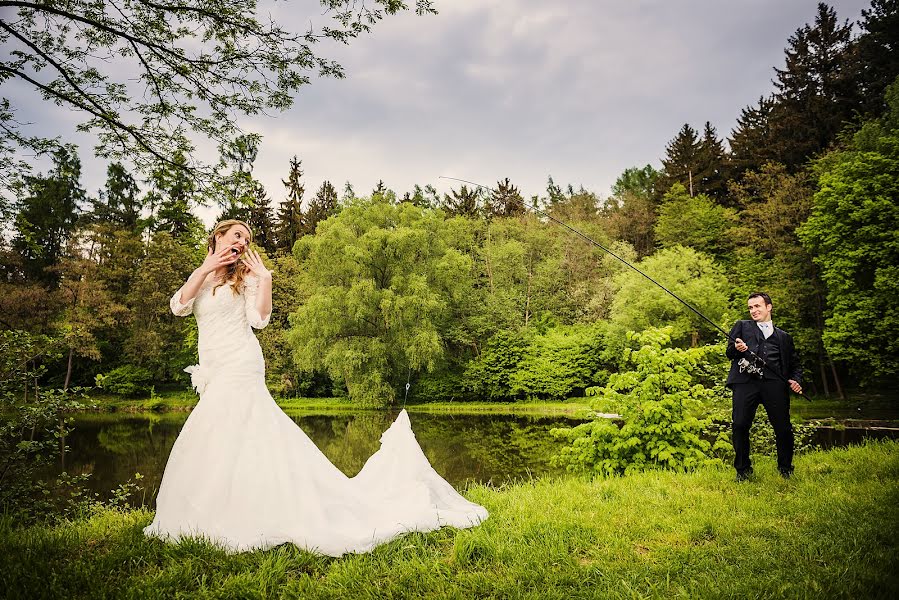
226,344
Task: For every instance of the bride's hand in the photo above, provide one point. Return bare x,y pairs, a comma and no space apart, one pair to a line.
222,258
254,263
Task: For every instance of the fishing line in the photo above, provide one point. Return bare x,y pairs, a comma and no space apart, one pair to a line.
629,265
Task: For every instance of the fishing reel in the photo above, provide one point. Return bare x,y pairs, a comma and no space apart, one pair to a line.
755,367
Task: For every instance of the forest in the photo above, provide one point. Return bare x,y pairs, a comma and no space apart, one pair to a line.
474,294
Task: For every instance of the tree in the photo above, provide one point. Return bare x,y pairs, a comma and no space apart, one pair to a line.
697,222
146,75
171,199
662,404
640,304
852,235
638,181
119,203
464,203
47,216
236,191
711,176
159,341
752,140
877,54
322,206
382,279
261,220
289,221
816,89
682,159
505,201
630,214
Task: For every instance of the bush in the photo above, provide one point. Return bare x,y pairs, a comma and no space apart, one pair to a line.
664,412
127,380
35,424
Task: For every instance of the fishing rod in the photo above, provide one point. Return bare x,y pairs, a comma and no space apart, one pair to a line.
586,237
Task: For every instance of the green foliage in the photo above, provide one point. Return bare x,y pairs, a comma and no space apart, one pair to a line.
559,363
47,214
33,429
126,380
200,67
662,409
697,222
640,304
381,280
852,232
488,377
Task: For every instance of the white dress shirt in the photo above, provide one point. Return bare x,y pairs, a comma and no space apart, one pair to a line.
767,328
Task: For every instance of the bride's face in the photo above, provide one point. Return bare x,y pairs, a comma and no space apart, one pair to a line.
236,237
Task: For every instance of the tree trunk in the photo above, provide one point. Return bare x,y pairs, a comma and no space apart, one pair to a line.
65,386
823,375
836,379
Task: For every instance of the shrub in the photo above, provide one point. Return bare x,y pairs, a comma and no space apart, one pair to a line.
127,380
662,408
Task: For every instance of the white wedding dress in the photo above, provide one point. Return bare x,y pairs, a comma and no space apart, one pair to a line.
244,475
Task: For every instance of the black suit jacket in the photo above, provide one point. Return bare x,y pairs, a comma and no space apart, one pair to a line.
749,332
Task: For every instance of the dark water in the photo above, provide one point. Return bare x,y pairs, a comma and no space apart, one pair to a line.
462,448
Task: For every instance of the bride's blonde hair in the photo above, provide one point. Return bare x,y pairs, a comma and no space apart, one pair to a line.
237,271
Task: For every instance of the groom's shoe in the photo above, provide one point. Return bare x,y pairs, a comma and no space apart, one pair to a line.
786,473
744,475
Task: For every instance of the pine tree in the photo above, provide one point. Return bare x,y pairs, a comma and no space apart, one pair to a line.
711,175
172,198
682,160
47,216
816,94
322,206
119,202
464,203
289,221
877,56
751,141
261,220
505,201
380,190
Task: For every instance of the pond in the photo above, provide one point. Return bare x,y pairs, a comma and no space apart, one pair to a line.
471,448
462,448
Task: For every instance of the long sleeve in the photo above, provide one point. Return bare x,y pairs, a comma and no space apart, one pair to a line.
735,332
251,286
181,310
795,363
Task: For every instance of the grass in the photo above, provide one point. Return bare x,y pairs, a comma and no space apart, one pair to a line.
830,532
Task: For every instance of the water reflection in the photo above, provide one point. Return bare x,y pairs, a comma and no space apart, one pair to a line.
462,448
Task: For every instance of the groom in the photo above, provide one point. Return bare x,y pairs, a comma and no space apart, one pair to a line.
767,381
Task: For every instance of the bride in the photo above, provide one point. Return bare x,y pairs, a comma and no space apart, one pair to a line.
243,474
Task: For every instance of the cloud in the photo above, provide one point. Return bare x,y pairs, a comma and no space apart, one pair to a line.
488,89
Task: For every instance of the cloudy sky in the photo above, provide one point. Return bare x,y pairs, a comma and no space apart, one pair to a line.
488,89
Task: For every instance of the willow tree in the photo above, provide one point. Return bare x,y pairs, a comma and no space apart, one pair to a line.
383,281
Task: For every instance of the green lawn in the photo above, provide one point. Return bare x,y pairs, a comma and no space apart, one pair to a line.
830,532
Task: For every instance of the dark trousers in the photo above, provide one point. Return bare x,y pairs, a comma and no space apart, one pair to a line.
775,397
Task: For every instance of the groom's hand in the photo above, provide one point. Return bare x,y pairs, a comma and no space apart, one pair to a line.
740,345
794,385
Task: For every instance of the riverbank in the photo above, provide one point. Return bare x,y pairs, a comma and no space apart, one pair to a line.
879,407
831,531
183,401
